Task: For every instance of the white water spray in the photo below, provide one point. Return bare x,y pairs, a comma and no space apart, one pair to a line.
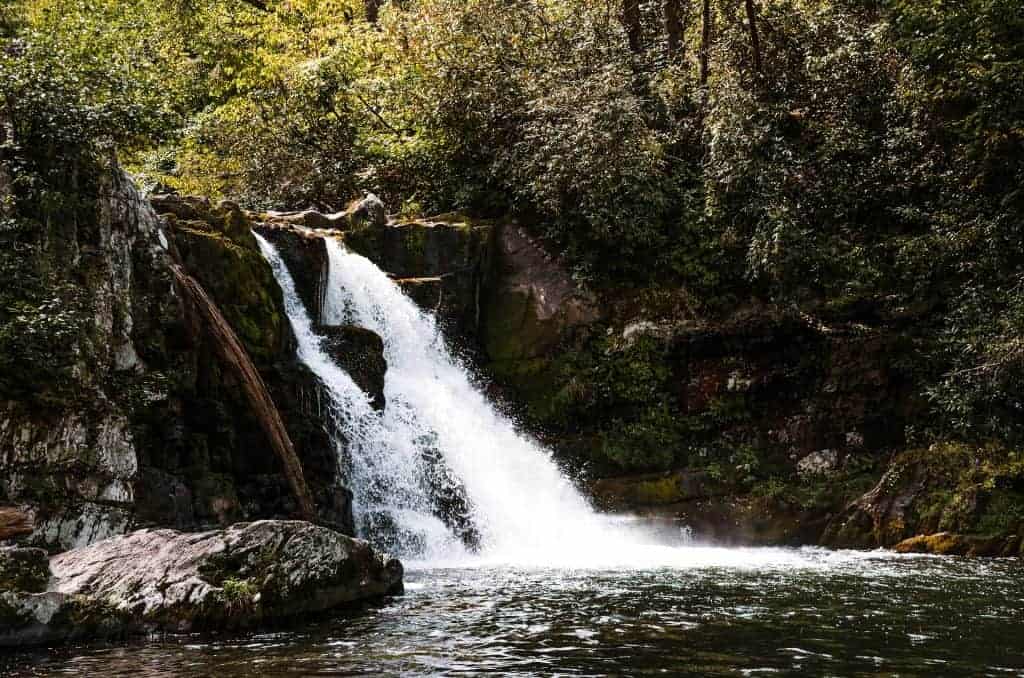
520,500
523,509
385,467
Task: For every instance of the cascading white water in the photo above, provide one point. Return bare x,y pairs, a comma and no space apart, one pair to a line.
438,426
520,501
384,457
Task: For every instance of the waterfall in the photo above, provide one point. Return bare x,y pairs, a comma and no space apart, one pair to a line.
383,460
438,429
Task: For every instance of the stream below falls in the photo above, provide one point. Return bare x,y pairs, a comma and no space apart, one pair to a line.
728,612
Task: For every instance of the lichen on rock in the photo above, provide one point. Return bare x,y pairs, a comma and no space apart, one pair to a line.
244,576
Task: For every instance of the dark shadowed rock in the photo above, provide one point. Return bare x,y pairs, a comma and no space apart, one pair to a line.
445,246
163,580
305,255
360,352
24,569
443,263
657,489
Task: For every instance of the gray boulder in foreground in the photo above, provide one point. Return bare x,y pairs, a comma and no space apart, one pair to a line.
164,580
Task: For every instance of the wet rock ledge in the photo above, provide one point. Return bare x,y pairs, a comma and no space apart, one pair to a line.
163,580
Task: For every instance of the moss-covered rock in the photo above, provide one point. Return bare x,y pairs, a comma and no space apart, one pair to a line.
952,544
658,489
241,577
227,262
28,619
93,250
446,261
424,248
114,408
951,488
210,462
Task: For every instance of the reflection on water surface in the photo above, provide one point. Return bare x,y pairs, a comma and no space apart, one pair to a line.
730,612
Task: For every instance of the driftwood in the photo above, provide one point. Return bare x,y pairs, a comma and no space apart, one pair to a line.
234,356
14,522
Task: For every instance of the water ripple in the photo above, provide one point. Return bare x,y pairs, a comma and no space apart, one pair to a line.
854,614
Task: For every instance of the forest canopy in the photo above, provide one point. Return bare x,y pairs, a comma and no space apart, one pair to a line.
858,160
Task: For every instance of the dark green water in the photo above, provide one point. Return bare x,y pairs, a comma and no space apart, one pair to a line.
725,612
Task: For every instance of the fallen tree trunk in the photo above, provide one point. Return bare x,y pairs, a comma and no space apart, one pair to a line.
234,356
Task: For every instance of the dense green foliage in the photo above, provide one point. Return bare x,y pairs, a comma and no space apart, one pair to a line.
864,165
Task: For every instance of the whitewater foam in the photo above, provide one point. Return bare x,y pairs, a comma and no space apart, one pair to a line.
525,511
521,501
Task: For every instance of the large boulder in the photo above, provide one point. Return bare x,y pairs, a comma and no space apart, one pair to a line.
532,302
163,580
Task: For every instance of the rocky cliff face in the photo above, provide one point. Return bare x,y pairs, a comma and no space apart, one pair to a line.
68,452
759,425
116,411
443,263
763,425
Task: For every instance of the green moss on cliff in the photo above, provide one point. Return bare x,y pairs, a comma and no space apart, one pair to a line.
48,334
224,257
952,487
424,248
